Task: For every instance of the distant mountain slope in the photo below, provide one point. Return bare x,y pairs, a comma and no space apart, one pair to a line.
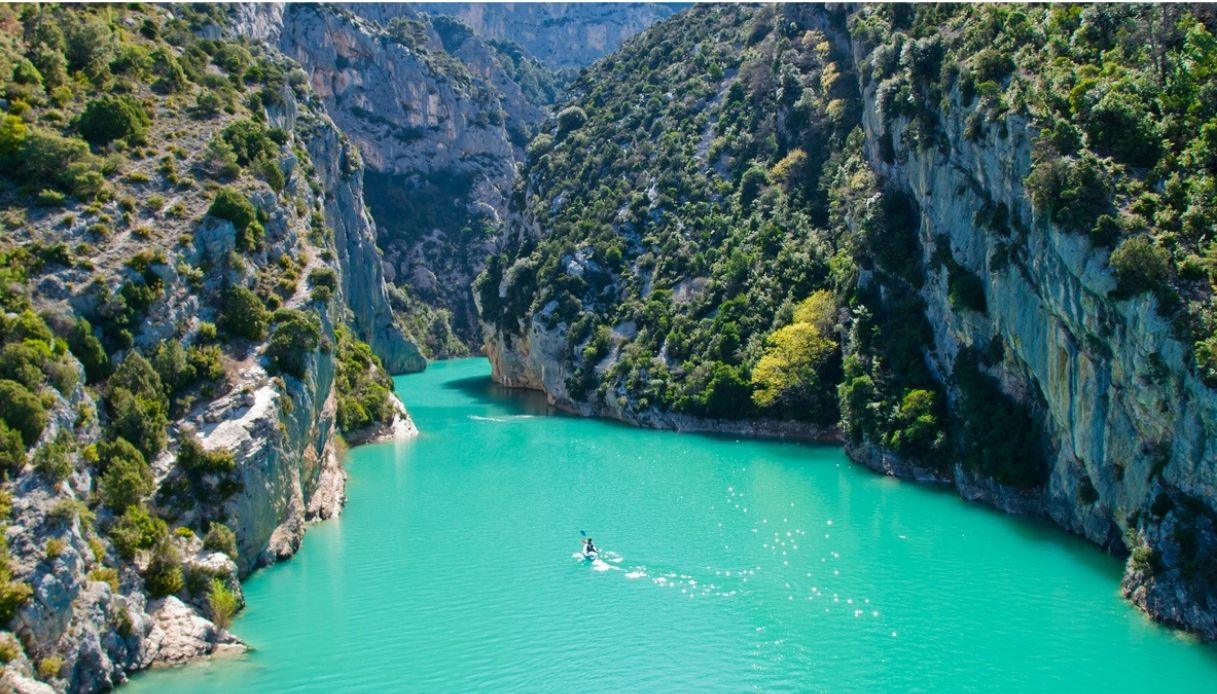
561,35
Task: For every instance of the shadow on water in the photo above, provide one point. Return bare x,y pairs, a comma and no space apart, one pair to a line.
485,390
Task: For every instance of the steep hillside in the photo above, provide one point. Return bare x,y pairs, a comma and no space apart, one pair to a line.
189,279
440,119
973,238
561,35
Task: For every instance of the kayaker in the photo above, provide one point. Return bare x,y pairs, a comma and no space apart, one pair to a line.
589,548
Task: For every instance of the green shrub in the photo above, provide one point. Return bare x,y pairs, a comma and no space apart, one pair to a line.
1205,356
296,334
1119,125
50,667
49,198
12,450
992,65
107,575
231,205
220,538
170,77
1140,265
242,313
172,364
54,459
222,604
126,477
996,435
917,430
364,389
136,529
22,362
723,392
1073,192
108,118
207,104
88,349
140,419
138,405
966,290
39,158
22,410
10,649
164,573
208,368
54,547
754,179
250,140
570,119
193,457
324,282
13,594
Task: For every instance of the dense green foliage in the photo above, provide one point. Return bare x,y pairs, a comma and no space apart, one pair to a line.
709,177
23,410
193,457
108,118
126,134
365,391
295,336
1122,98
242,313
125,475
220,538
221,603
685,216
231,205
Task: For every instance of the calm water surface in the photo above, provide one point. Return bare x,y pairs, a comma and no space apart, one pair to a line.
732,565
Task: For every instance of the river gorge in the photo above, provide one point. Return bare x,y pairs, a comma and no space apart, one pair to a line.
732,565
875,344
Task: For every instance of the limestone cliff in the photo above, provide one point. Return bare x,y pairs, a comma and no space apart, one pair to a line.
1129,424
440,120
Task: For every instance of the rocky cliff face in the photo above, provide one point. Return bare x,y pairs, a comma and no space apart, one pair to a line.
1129,423
1116,409
242,452
561,35
440,120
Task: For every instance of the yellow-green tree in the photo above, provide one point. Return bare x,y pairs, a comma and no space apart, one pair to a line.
790,374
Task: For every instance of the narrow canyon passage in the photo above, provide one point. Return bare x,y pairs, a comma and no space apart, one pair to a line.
729,565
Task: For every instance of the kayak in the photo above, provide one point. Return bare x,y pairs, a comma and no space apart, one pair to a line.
591,556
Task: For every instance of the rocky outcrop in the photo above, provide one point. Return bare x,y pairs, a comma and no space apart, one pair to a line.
561,35
179,635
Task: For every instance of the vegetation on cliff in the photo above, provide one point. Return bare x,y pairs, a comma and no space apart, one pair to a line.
160,213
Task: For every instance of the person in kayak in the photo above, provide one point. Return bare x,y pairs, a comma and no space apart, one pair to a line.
589,548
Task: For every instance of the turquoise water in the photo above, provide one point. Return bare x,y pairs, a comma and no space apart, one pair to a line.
733,565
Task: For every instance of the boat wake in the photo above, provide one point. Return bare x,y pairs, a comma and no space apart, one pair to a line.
500,419
683,582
